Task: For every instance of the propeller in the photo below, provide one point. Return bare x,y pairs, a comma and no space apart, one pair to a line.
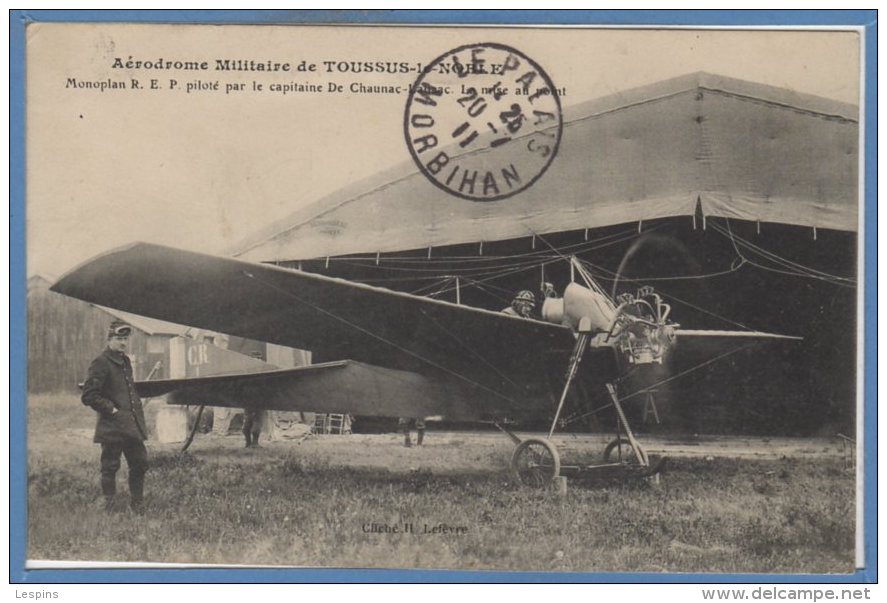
652,254
649,255
638,323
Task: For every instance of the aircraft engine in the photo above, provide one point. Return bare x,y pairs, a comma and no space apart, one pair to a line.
581,302
642,329
639,326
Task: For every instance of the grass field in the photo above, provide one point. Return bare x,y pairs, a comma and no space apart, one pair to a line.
316,504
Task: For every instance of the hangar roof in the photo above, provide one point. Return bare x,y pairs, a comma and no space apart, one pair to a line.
740,149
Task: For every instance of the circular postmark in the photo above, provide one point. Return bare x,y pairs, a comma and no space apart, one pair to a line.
483,121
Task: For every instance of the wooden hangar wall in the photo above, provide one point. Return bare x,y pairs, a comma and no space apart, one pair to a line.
716,274
65,334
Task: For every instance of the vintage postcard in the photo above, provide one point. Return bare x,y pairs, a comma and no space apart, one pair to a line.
561,298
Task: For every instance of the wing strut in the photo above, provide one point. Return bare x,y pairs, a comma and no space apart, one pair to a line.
639,452
193,429
575,359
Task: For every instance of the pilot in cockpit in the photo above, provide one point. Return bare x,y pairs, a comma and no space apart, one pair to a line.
522,305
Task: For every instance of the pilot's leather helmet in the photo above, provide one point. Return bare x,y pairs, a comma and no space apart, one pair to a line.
525,297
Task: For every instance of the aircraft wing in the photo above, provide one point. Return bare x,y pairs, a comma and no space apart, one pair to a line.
335,318
332,387
715,341
734,335
728,352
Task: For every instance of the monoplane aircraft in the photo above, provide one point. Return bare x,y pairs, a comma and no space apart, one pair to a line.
394,354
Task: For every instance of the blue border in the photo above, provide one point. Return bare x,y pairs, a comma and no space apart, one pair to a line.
870,311
18,343
480,17
18,287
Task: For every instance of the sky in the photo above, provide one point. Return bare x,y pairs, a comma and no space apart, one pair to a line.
202,169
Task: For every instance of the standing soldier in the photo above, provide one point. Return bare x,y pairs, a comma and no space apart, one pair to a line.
110,391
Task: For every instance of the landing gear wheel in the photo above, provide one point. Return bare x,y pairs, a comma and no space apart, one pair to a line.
620,450
535,463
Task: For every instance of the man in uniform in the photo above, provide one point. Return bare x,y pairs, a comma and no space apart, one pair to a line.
109,390
522,305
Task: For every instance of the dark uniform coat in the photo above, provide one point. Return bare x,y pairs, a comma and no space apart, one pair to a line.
110,385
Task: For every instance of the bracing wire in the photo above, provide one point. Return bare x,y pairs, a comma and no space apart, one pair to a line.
437,283
366,331
528,259
685,302
791,268
512,271
734,266
470,349
773,256
592,243
654,386
650,388
489,289
472,281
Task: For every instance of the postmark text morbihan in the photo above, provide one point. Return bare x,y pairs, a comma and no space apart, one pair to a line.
483,122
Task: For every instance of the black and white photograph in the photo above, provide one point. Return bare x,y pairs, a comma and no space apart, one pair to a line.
519,299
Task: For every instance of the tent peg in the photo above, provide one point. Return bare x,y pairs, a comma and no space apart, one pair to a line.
759,226
377,258
480,250
327,263
814,233
640,225
703,221
533,242
586,234
429,252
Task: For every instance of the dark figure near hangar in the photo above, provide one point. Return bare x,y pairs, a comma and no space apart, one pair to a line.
252,426
253,417
405,424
